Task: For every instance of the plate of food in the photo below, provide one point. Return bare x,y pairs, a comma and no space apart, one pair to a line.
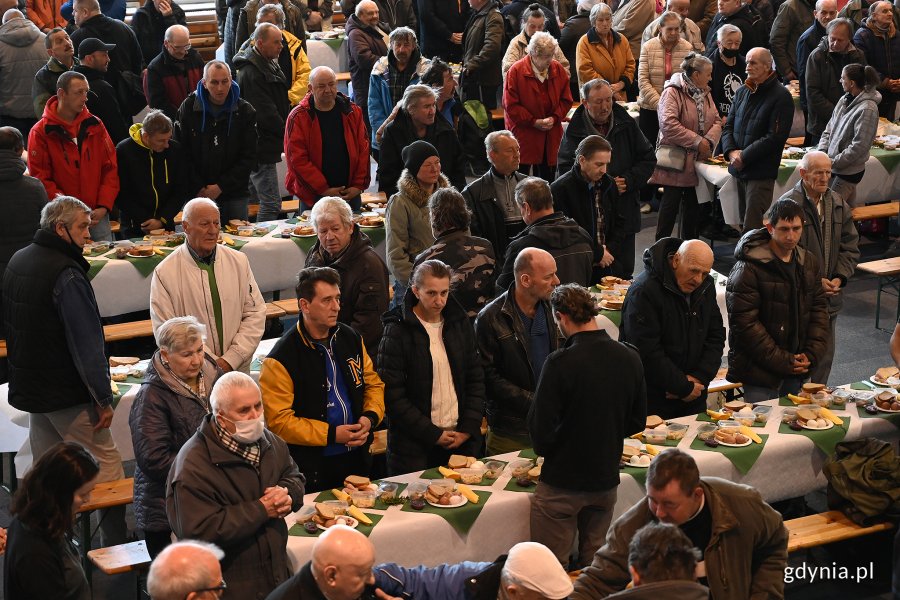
886,377
640,461
886,410
732,439
304,231
371,222
887,402
444,496
140,251
341,520
610,304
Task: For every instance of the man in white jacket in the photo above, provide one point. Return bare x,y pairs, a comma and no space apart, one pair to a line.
213,283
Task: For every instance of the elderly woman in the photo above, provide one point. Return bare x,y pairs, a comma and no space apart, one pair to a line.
533,20
688,121
851,130
661,58
605,54
166,412
408,225
879,40
364,276
537,98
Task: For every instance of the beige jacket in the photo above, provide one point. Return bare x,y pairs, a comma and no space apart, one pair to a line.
652,69
180,288
689,31
631,18
516,50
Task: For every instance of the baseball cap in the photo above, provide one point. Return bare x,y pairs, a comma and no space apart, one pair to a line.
536,567
91,45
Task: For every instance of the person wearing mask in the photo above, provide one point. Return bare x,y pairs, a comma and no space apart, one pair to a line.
879,40
605,54
174,73
729,68
743,16
62,59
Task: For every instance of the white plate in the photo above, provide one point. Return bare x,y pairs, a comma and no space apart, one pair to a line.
351,522
138,255
631,464
305,235
885,410
463,503
891,382
830,425
605,306
747,443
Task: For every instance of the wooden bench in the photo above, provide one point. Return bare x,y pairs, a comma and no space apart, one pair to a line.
289,306
105,495
887,271
876,211
343,77
123,558
497,114
826,528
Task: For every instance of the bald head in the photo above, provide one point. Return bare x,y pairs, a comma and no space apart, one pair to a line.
11,14
535,273
323,85
183,568
691,264
815,171
342,561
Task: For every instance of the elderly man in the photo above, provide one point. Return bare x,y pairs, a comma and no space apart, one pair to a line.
218,131
293,60
174,73
416,121
745,557
689,29
153,164
58,372
323,396
515,334
86,170
365,37
830,234
393,13
265,87
344,247
213,283
791,21
777,307
482,43
823,75
491,198
632,162
102,98
671,316
214,486
150,23
825,13
326,144
62,58
879,40
403,66
754,135
567,412
549,230
21,56
186,571
744,17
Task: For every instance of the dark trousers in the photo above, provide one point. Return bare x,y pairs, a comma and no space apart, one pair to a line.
157,541
334,469
545,172
674,197
648,123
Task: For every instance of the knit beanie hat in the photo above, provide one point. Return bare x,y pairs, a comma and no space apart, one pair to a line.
415,154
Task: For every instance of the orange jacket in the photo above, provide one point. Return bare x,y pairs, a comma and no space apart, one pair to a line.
45,13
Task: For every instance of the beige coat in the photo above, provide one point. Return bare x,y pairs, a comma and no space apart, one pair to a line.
652,69
180,288
516,50
631,18
689,31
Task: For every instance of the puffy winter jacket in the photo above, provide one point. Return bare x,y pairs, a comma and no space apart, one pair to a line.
652,69
380,102
823,82
408,226
366,46
168,81
23,198
593,59
265,87
793,17
689,32
22,54
850,132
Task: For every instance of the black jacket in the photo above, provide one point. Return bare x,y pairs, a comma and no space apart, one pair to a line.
564,239
581,400
483,47
395,13
404,364
437,20
103,103
36,567
573,30
366,46
512,13
509,380
265,87
167,81
808,42
488,218
759,124
150,26
400,133
748,20
301,586
23,198
633,157
676,335
220,149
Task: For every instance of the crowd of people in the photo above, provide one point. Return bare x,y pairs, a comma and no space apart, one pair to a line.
479,308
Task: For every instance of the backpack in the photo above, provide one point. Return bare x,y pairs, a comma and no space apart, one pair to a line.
864,481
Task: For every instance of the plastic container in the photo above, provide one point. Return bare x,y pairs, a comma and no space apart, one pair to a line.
387,490
416,492
471,476
788,415
493,469
338,506
745,418
520,467
676,431
245,230
706,431
729,424
657,435
364,498
762,413
822,399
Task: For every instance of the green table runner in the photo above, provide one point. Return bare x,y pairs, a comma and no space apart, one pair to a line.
889,159
305,243
461,518
528,453
743,459
123,389
786,169
512,486
95,266
299,531
865,386
705,417
824,440
435,474
269,229
892,418
146,264
379,505
640,475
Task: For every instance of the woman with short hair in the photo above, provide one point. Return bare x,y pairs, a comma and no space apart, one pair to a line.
605,54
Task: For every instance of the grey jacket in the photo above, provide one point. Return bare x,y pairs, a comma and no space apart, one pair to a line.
823,82
850,132
22,54
794,16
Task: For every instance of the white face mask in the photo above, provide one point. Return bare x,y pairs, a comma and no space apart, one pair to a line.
247,432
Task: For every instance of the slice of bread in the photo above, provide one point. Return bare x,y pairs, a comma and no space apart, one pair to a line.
458,461
884,373
813,388
357,481
120,361
654,421
324,511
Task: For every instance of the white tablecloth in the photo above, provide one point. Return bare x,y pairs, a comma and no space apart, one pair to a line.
322,55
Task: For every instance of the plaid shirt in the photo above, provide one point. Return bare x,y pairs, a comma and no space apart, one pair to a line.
398,81
249,452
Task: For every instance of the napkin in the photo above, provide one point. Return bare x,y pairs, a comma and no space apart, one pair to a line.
298,530
824,440
460,518
743,459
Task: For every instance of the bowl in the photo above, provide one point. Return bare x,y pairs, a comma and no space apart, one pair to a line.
706,431
657,435
676,431
471,476
788,415
520,467
364,498
762,413
493,468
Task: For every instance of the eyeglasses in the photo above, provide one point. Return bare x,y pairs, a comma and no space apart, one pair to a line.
216,590
180,48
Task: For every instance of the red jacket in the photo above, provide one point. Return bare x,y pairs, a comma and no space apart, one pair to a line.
74,159
303,149
527,99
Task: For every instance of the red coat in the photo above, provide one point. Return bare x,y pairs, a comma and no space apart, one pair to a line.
87,171
526,99
303,149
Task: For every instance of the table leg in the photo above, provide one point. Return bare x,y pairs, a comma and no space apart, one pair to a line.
878,303
86,545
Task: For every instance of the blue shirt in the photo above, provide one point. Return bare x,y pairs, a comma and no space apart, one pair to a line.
538,337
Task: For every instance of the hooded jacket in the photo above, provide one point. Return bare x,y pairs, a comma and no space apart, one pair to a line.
679,334
300,67
265,87
150,26
303,149
23,198
789,23
157,181
366,46
823,83
45,80
220,147
74,159
882,51
408,225
103,103
168,81
851,131
22,54
760,304
564,239
483,47
380,102
593,59
45,14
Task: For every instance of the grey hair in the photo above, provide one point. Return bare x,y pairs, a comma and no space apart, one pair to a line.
403,34
727,29
264,11
586,5
414,94
180,332
804,162
11,14
359,7
155,122
589,86
542,44
694,62
172,582
170,32
220,397
667,16
62,209
490,141
215,63
595,13
258,32
331,205
874,6
192,205
835,23
819,4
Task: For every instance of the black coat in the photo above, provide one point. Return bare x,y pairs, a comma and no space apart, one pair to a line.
573,30
488,217
676,335
404,364
437,20
103,103
808,41
150,26
265,87
748,20
366,46
23,198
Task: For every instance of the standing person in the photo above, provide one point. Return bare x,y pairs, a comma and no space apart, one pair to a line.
168,409
45,14
536,100
879,40
533,21
729,68
434,382
41,560
394,13
62,384
22,54
605,54
825,13
102,98
150,23
830,234
482,53
515,335
574,29
688,120
293,60
793,17
777,309
754,135
441,26
62,59
851,130
577,494
367,44
174,73
689,30
744,17
630,19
